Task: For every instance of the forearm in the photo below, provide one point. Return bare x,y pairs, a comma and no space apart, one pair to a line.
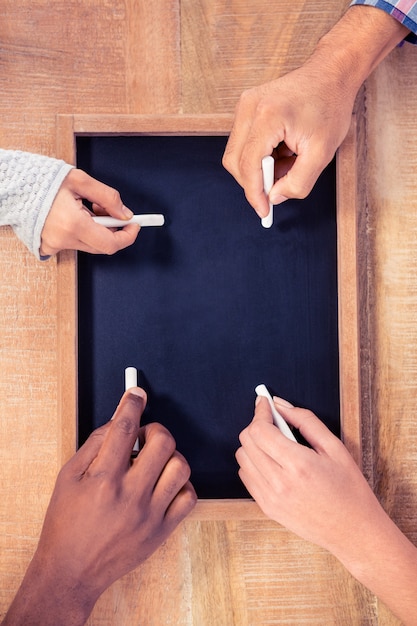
319,493
46,599
134,504
385,562
354,47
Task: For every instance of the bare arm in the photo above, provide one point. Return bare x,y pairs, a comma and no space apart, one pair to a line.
107,515
321,495
303,117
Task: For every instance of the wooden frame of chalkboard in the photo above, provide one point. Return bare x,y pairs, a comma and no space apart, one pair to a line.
351,261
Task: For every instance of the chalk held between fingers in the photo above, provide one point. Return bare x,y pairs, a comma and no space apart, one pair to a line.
279,421
131,380
151,219
268,165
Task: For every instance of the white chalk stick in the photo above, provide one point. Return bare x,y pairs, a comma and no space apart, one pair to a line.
279,421
131,377
268,178
131,380
151,219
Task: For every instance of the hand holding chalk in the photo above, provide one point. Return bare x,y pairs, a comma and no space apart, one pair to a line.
268,164
151,219
279,421
131,380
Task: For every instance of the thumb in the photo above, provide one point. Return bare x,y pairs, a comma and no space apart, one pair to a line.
109,447
300,178
263,411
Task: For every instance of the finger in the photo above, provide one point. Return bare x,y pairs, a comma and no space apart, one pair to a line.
111,247
86,454
157,446
243,162
97,239
262,416
114,456
264,138
100,194
172,478
262,437
255,481
173,492
254,189
251,173
314,431
243,117
260,441
119,239
181,505
300,178
262,410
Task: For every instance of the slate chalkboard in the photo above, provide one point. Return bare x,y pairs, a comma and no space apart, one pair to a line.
209,305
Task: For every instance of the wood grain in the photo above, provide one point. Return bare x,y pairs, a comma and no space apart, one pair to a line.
233,573
101,58
392,200
350,264
219,589
229,46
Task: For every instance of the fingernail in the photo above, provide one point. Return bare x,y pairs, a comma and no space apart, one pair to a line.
277,198
127,212
257,400
283,403
138,391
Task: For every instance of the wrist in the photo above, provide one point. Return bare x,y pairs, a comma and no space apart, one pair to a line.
355,46
377,553
48,596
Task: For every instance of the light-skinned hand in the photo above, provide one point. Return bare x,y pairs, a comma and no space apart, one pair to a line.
69,225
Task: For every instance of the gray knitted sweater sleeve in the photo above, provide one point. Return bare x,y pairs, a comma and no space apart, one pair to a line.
28,186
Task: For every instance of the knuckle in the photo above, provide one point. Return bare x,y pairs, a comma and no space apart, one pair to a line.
79,176
307,414
303,470
99,432
126,425
176,476
189,498
264,108
165,440
245,163
255,429
243,436
227,161
186,500
137,401
113,196
110,248
230,159
65,472
246,97
299,189
180,466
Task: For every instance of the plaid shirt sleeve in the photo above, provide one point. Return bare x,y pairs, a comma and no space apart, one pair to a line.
405,11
